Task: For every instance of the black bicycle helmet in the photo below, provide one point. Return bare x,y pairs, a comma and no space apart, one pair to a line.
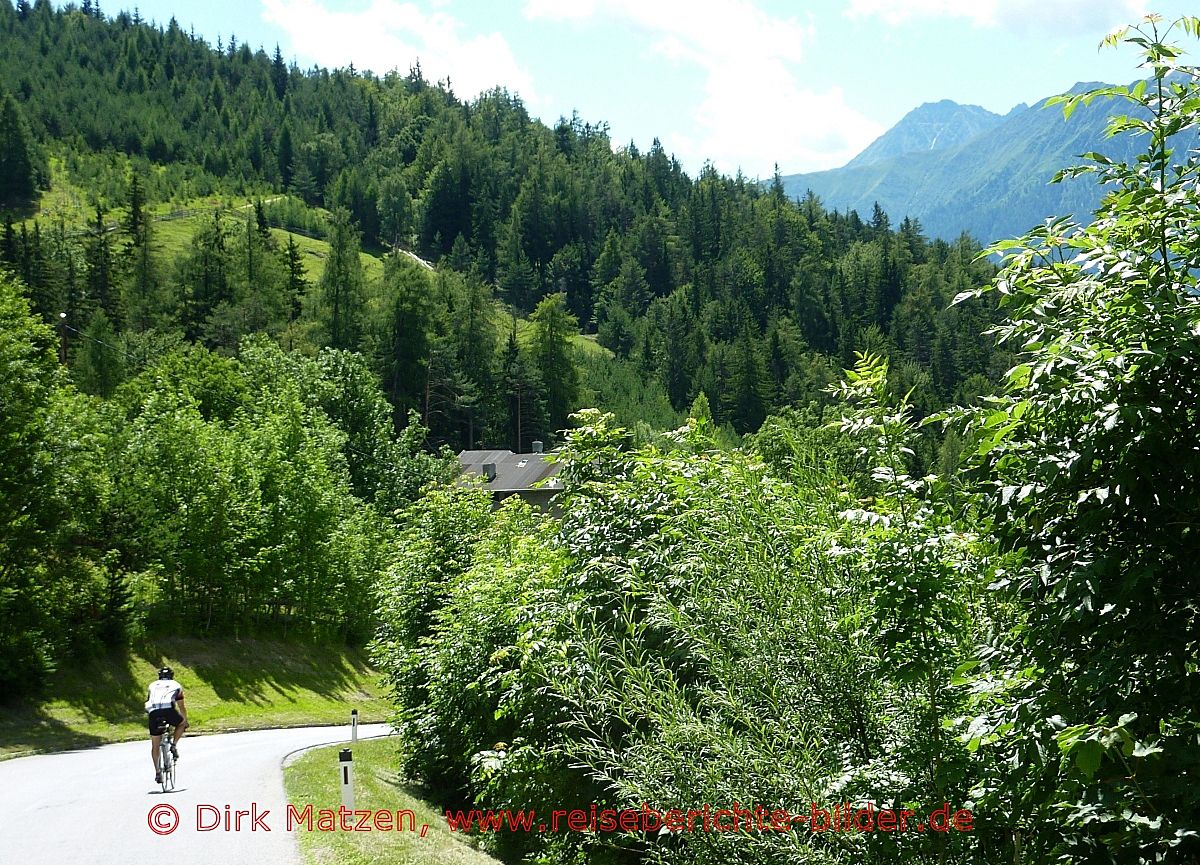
166,673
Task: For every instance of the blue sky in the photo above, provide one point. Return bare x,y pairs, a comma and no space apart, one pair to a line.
743,83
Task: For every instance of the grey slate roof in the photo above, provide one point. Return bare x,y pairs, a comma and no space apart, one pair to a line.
514,472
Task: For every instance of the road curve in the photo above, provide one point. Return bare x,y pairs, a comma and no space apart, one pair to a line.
91,807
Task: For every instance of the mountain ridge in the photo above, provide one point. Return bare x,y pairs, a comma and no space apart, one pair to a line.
991,184
930,126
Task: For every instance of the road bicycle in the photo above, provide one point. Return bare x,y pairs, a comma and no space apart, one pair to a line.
166,761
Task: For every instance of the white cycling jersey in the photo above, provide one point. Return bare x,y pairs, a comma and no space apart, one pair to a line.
163,694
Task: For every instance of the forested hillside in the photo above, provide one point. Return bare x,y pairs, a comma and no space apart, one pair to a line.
706,284
245,380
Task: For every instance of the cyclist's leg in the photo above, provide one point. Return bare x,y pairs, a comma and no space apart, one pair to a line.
157,727
181,724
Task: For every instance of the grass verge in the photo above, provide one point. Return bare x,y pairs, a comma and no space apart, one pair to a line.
313,780
228,685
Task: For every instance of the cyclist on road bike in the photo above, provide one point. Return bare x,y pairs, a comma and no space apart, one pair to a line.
164,702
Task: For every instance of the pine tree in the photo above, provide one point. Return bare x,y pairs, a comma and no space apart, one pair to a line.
608,263
303,184
10,248
35,270
678,362
474,335
371,132
260,220
533,223
403,348
467,402
553,329
250,272
516,276
135,203
778,195
745,391
204,276
342,289
143,288
650,251
284,156
395,209
71,292
99,364
444,383
260,299
568,274
520,416
700,410
101,285
630,289
446,207
614,329
17,181
297,280
279,74
23,253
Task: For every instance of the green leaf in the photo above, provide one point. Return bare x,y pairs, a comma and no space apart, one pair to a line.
1088,756
960,677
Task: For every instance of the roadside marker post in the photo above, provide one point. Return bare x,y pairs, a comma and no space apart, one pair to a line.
353,725
346,776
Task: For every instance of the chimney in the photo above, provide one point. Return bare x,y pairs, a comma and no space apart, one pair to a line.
537,447
489,471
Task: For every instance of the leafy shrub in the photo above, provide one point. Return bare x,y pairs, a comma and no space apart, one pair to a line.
1088,713
736,637
57,595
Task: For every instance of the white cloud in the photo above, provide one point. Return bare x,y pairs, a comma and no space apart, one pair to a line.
560,10
389,34
1098,15
753,111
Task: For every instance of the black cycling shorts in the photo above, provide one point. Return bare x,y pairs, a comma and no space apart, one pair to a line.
160,718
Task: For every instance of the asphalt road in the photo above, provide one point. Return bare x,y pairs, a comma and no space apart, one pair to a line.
93,807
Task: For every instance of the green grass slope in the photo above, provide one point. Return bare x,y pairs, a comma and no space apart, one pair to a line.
228,685
175,222
312,780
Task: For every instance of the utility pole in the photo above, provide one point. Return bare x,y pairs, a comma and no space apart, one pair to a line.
249,255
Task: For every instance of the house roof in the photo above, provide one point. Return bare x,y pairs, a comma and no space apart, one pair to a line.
514,472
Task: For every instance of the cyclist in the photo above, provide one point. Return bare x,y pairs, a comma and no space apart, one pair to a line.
164,702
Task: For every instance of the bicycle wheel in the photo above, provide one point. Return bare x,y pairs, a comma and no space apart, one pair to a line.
166,765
